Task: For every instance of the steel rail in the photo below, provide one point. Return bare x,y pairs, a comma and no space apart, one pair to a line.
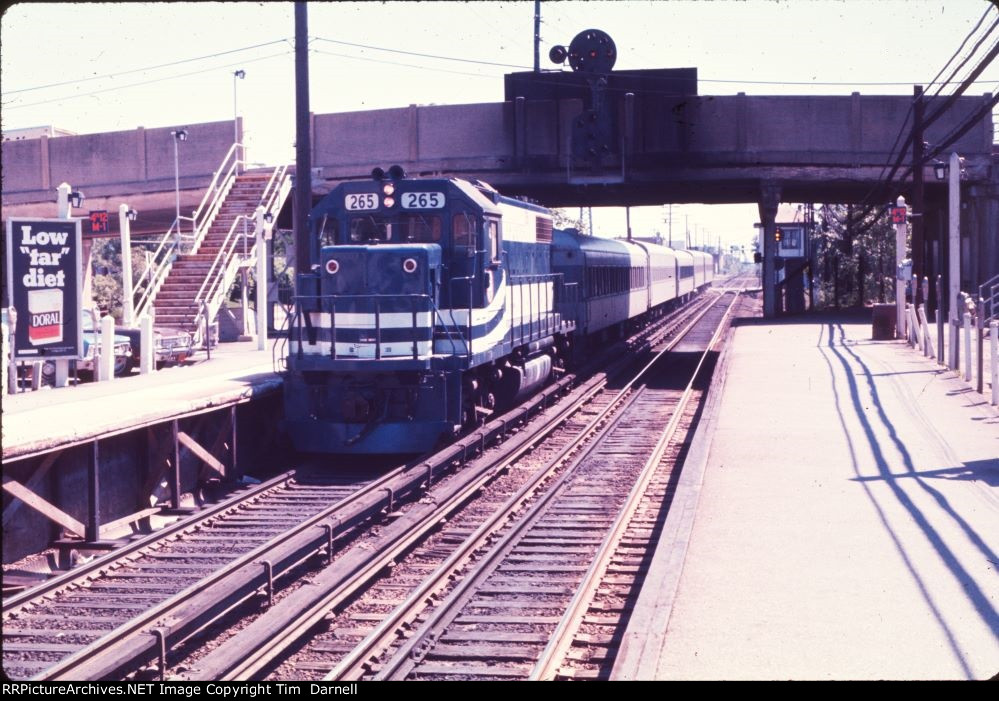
349,668
87,570
262,641
561,639
251,658
190,610
406,657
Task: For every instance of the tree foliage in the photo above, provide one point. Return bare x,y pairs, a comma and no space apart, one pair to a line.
570,218
854,256
105,260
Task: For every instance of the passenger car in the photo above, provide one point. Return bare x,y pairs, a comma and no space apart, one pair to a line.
170,345
92,347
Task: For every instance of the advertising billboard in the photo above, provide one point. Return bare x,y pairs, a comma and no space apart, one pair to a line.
44,285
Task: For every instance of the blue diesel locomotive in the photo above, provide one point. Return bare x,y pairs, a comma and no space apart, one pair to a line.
433,303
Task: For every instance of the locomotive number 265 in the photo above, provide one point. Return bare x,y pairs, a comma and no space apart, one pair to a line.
422,200
367,200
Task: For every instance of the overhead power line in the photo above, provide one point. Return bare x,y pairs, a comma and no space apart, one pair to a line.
971,53
970,34
144,82
147,68
422,55
399,63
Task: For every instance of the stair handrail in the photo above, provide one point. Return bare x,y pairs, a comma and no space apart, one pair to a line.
988,292
160,263
223,269
166,252
218,269
222,182
228,247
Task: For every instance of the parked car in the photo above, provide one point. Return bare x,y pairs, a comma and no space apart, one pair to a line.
170,345
92,347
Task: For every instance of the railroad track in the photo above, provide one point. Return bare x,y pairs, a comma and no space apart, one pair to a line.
511,617
131,607
380,613
70,613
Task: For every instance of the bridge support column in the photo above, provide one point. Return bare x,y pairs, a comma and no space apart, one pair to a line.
768,203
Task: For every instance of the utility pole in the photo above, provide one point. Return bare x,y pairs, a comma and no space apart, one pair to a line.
537,36
918,228
303,146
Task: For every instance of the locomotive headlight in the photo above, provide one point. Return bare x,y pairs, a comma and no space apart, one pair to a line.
389,201
388,188
409,265
332,266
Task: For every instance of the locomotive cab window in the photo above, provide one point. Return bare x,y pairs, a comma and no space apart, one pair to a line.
368,230
492,231
463,228
420,228
328,231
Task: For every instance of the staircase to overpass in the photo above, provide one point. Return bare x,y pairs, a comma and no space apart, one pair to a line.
190,275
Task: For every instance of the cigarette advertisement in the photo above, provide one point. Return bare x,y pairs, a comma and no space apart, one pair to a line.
44,279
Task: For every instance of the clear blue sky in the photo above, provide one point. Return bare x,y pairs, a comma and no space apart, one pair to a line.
90,54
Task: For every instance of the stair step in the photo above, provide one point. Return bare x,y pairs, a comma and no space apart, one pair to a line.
165,316
174,303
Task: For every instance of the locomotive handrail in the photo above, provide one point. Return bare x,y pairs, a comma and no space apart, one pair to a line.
469,279
299,313
536,283
378,299
447,329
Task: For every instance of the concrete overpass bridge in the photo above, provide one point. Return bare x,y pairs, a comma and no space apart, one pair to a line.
661,147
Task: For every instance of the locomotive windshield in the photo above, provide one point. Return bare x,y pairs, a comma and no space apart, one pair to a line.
405,228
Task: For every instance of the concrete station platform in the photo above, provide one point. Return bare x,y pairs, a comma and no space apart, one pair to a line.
838,518
50,418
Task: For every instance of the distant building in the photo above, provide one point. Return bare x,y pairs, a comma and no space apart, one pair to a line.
35,132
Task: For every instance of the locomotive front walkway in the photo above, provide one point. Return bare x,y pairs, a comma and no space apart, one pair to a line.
50,418
838,518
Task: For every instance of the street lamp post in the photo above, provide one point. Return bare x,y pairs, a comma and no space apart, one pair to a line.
125,218
236,75
900,250
264,227
178,136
